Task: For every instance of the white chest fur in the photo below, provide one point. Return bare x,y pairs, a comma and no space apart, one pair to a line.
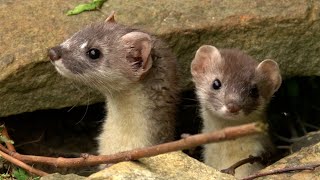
127,125
224,154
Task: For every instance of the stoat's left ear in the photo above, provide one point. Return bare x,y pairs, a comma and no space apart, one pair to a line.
138,47
270,75
110,18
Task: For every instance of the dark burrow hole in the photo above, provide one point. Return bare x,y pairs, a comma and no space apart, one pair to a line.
68,132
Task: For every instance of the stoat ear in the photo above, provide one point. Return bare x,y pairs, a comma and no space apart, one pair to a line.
205,59
270,75
138,47
110,18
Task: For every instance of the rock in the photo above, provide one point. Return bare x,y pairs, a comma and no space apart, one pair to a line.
57,176
307,155
286,31
28,81
174,165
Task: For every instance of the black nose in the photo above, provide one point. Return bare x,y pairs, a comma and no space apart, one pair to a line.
54,53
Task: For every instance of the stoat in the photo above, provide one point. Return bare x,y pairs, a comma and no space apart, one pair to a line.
233,89
137,74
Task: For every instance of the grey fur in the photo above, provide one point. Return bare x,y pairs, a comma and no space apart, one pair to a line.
112,74
238,75
245,83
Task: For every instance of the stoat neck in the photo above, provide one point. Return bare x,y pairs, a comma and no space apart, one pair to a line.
213,122
128,113
127,106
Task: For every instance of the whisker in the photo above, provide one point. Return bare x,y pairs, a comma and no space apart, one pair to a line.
190,99
84,115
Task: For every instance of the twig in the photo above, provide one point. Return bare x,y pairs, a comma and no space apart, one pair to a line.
311,126
8,144
186,143
250,159
22,164
283,170
32,141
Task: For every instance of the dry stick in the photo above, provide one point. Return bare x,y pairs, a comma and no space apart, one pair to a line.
186,143
22,164
27,158
8,144
32,141
283,170
250,159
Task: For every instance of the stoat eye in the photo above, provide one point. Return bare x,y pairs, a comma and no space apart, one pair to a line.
94,53
216,84
254,92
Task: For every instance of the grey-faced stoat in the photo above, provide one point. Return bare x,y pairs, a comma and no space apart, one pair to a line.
137,74
233,89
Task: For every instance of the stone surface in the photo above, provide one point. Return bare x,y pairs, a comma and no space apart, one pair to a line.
57,176
28,81
308,155
174,165
286,31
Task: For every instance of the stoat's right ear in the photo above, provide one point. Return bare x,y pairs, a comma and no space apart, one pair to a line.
110,18
270,76
204,60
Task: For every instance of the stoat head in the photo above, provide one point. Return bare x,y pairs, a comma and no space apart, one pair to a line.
104,55
231,85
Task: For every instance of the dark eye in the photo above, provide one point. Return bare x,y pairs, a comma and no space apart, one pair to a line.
216,84
94,53
254,92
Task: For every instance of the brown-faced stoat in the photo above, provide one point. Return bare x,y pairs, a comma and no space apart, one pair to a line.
137,74
233,89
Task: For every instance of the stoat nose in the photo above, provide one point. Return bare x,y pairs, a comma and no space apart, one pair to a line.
233,107
54,53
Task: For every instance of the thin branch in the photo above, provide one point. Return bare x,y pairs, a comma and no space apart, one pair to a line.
4,149
311,126
185,143
32,141
250,159
284,170
8,144
22,164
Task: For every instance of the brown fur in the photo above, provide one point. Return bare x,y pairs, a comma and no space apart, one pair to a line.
137,74
246,85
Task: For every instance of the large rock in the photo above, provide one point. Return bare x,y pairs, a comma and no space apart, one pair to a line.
28,81
174,165
287,31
